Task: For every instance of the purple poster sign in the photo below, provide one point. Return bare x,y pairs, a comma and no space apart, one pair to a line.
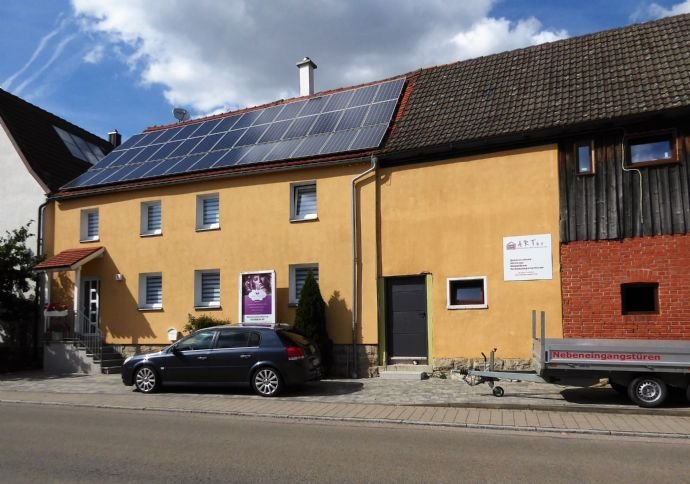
257,297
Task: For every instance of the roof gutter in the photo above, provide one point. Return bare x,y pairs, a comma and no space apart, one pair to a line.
355,261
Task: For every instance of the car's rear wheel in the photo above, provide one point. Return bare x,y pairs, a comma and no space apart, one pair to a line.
146,380
266,382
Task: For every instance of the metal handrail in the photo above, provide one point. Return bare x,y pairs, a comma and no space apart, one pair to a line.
93,342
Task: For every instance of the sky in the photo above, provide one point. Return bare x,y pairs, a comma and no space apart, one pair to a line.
124,64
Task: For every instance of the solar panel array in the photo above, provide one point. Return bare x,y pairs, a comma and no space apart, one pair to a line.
350,120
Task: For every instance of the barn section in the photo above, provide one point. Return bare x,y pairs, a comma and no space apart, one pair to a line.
625,252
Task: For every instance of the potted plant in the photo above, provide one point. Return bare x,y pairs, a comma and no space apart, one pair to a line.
56,310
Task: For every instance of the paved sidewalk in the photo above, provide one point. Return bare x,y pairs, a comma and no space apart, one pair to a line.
451,403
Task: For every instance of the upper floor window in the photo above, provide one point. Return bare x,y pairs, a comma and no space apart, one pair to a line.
303,201
89,225
649,149
298,274
207,212
151,218
584,154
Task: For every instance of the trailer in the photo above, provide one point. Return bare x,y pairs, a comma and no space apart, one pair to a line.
643,370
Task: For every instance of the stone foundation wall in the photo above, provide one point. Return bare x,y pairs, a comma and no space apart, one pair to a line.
131,350
367,357
443,366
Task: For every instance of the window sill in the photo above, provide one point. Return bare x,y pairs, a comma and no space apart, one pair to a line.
207,229
86,241
207,308
293,305
643,164
315,218
469,306
145,309
152,234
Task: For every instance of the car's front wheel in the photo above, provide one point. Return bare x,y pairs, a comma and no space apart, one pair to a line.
146,380
266,382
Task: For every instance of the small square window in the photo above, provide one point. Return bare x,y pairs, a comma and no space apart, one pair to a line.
651,149
207,288
89,225
207,212
640,298
467,293
303,201
584,155
298,274
151,218
151,291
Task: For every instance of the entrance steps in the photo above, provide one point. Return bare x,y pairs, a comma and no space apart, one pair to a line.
404,372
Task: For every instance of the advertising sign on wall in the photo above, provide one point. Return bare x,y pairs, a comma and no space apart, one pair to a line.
257,297
527,258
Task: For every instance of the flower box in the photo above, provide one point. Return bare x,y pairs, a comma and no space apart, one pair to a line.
56,313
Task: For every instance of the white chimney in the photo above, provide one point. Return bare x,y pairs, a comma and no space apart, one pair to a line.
306,76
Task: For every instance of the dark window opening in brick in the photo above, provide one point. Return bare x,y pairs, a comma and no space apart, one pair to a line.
651,149
585,158
640,298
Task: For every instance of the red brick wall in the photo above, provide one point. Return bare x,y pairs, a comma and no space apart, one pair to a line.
592,273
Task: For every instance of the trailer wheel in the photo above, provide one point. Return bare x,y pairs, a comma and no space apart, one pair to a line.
498,391
647,391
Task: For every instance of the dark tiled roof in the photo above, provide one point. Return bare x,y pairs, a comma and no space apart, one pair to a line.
32,129
633,70
67,258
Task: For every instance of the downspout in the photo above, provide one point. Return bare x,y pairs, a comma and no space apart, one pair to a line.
41,286
355,261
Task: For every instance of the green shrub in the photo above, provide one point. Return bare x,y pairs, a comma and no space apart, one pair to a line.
202,321
310,319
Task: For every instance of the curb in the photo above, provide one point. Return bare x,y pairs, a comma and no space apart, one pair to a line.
416,423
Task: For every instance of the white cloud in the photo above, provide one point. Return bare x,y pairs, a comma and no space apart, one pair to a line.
95,55
656,10
491,35
220,54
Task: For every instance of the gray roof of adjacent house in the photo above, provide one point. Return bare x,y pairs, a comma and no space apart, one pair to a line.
608,75
55,151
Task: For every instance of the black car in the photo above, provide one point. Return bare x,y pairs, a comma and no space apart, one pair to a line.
266,358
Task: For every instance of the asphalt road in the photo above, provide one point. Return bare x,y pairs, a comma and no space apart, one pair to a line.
67,444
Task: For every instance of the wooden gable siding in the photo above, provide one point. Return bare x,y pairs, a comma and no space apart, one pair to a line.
606,205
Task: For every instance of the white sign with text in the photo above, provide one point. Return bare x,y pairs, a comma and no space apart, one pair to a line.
527,258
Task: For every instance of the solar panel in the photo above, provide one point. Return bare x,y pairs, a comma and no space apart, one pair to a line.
349,120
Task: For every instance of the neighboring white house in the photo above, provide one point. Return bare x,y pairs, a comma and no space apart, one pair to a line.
39,152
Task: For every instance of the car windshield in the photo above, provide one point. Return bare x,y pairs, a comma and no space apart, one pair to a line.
197,341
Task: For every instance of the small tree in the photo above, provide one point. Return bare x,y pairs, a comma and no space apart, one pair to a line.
17,306
310,319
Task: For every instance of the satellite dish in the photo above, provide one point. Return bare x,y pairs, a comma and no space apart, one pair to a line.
181,114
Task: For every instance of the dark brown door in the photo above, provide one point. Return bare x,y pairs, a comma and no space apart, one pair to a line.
406,317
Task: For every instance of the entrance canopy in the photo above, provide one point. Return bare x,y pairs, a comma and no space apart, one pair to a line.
69,260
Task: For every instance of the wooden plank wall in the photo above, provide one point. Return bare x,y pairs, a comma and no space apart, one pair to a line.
607,205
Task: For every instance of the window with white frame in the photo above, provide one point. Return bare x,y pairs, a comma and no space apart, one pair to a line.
151,218
89,225
207,288
151,291
298,274
303,201
467,293
207,212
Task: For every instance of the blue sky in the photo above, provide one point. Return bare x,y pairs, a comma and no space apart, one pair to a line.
124,64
